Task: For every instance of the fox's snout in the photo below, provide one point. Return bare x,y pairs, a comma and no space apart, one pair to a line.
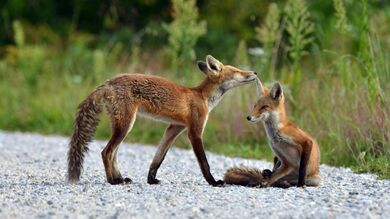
251,73
253,118
249,76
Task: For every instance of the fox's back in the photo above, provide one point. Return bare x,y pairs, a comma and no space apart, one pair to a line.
153,95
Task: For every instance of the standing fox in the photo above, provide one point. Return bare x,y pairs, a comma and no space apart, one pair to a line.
128,94
297,160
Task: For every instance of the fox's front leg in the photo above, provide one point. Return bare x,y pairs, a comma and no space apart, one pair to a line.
169,137
283,170
194,134
305,156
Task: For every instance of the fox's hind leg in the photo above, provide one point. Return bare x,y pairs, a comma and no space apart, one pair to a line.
122,120
277,164
169,137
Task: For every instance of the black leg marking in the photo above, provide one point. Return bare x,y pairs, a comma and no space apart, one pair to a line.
304,161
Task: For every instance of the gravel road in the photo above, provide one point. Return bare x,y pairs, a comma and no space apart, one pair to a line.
32,184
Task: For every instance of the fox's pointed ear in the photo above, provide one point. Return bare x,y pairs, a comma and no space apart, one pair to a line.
202,66
213,64
259,88
277,91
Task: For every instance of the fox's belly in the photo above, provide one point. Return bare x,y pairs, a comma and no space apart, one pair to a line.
161,117
287,153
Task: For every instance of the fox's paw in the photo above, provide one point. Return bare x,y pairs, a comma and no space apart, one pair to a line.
263,184
153,181
218,183
120,180
266,173
127,180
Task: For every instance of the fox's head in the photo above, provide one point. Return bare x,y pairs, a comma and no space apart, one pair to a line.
270,103
225,76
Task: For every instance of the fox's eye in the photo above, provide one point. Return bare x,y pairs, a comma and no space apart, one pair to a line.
264,107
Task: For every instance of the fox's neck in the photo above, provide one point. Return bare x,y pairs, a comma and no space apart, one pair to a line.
211,92
275,122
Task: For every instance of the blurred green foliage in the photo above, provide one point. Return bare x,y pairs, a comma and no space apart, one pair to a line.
300,29
53,53
269,35
183,31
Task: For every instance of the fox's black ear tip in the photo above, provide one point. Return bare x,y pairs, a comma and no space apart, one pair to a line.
202,65
276,91
277,85
199,62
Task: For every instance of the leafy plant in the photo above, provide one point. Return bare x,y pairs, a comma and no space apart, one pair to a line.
341,17
366,51
268,34
300,30
183,31
18,33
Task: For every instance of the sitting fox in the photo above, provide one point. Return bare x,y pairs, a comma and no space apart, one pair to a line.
297,155
126,95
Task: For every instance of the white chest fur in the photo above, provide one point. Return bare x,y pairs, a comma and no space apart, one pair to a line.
272,126
281,144
214,98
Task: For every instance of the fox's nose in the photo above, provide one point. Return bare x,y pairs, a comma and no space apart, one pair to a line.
248,118
255,73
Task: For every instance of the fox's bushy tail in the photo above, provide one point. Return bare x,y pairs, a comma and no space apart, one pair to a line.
84,127
243,176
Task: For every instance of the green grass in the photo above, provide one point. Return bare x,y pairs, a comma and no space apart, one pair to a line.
377,164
